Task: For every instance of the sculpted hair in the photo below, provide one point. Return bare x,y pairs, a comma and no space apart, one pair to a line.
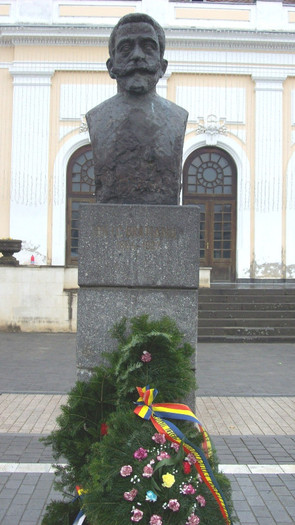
136,18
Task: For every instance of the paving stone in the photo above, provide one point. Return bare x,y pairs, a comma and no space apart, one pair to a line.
267,521
254,499
246,517
260,511
21,499
16,511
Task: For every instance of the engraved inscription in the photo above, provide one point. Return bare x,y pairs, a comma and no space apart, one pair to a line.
147,237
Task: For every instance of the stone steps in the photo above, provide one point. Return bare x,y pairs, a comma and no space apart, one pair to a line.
247,322
246,315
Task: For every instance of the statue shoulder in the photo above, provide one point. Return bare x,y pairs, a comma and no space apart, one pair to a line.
100,111
172,108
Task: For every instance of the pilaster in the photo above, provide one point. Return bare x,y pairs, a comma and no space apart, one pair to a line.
268,177
29,163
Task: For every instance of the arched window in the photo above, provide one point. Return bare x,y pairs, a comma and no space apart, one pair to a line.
210,181
80,188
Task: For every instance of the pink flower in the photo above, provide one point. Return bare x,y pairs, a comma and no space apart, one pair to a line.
137,515
174,505
163,455
159,438
140,453
193,520
175,446
146,357
188,489
191,459
156,520
148,471
126,471
200,479
129,496
201,500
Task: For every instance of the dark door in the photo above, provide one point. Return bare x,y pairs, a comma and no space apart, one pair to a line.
80,189
209,181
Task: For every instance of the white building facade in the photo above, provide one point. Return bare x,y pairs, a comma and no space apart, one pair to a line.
231,65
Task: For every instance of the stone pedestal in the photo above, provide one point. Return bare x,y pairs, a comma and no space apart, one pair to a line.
134,260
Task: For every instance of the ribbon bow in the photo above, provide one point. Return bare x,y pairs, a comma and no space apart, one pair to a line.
147,409
157,414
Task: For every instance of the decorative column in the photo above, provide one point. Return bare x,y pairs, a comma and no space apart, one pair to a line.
268,178
29,163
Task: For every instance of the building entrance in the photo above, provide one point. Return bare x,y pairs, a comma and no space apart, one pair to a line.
210,181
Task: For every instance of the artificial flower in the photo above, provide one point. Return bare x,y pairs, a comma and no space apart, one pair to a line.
126,471
146,357
159,438
129,496
168,480
140,453
148,471
175,446
156,520
137,515
201,500
186,467
188,489
193,520
191,458
163,455
103,429
173,505
151,496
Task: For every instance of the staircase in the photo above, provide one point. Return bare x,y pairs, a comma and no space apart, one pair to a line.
239,314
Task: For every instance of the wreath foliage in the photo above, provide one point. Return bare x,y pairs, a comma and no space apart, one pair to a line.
98,435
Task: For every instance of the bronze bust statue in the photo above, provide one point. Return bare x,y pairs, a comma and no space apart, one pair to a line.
137,136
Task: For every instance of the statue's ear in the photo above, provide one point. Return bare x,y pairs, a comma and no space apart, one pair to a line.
109,64
164,65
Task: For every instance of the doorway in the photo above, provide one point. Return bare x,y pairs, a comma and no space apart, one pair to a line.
210,182
80,189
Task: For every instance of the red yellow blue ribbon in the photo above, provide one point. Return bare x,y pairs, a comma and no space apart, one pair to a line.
146,408
157,413
81,516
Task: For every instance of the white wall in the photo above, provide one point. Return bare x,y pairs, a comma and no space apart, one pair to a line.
38,299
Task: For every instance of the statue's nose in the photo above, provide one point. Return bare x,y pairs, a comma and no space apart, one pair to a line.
138,53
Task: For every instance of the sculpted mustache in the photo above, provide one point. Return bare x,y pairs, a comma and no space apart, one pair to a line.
125,71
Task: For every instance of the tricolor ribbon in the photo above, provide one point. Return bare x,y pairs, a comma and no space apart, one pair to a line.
81,516
146,408
157,414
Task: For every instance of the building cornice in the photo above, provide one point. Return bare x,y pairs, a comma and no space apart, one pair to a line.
176,38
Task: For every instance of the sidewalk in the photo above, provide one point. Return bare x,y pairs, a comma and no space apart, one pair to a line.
246,401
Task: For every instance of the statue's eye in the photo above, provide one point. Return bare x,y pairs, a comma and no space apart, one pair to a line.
125,48
149,45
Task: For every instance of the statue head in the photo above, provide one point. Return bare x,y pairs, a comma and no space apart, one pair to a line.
136,48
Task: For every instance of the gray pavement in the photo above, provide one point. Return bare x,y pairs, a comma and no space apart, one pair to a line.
260,467
246,369
37,362
234,369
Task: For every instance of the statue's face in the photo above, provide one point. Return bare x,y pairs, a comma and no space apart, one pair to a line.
136,63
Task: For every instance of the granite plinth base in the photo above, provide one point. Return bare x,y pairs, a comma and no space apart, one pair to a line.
134,260
100,308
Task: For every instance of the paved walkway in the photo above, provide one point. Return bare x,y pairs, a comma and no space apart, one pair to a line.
246,400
